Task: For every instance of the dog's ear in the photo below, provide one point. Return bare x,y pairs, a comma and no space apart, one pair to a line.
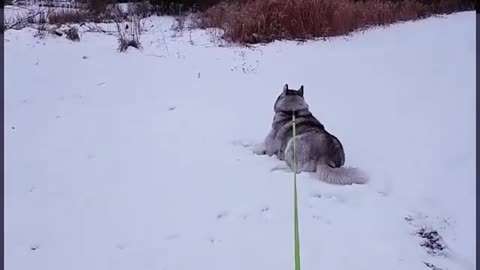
285,88
300,91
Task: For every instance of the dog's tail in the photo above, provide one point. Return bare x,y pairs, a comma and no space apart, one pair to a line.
341,175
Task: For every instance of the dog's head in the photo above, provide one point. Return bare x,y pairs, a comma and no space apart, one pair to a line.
290,100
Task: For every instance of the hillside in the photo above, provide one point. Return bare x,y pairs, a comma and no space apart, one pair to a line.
141,160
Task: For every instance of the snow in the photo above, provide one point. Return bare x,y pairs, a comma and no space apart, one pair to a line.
141,160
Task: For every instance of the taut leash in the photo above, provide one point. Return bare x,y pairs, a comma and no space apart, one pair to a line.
295,204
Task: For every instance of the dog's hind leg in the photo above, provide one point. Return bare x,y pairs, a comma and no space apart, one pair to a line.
310,166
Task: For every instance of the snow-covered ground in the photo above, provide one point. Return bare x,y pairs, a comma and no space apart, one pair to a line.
137,160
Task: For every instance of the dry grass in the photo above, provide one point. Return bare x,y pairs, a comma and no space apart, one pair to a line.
129,32
260,21
67,16
72,34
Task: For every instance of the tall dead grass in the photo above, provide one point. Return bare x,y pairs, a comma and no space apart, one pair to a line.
260,21
68,16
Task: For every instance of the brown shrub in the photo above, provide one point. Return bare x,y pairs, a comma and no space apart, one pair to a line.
258,21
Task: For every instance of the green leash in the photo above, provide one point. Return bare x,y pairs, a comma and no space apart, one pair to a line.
295,207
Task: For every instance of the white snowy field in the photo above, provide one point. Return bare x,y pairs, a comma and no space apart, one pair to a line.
137,160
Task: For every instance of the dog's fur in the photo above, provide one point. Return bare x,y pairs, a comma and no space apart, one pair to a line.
316,149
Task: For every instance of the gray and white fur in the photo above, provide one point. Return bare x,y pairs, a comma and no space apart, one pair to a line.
318,151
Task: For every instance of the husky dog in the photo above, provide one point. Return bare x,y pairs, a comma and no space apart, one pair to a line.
316,149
